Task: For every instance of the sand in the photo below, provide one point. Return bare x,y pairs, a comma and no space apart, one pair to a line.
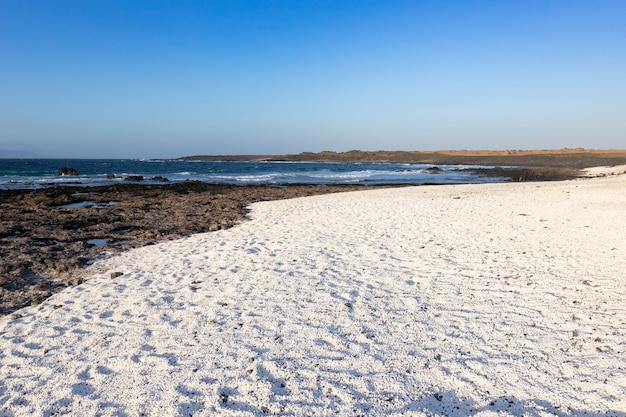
45,245
491,299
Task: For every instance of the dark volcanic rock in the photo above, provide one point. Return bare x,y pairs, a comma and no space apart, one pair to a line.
135,178
528,174
65,171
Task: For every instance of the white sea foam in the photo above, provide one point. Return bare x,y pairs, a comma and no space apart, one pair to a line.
491,299
42,173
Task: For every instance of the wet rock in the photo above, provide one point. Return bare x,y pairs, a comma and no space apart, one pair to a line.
65,171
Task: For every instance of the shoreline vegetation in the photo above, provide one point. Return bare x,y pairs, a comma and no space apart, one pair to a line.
48,236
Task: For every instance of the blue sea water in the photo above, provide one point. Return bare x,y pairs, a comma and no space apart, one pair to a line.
38,173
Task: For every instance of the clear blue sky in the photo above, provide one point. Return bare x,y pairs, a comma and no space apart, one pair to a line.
170,78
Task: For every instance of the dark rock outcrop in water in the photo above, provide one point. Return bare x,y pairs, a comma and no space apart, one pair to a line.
65,171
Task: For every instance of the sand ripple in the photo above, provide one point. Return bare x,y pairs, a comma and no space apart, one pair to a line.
442,300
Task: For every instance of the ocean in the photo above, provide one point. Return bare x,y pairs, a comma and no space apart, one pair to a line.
39,173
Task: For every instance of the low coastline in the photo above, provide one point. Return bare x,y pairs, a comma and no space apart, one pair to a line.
572,158
46,243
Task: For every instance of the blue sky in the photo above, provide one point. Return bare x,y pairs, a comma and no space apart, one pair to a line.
152,79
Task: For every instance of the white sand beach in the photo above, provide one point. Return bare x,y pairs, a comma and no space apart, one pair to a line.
491,299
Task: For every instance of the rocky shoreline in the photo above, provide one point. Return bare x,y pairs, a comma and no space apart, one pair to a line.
49,235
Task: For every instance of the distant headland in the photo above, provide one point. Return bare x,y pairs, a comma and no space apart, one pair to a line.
572,158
